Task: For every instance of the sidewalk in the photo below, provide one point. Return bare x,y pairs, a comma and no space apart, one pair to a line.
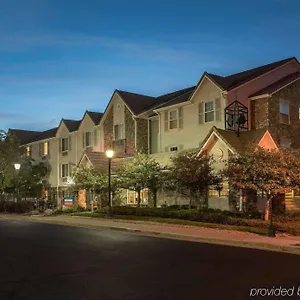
281,243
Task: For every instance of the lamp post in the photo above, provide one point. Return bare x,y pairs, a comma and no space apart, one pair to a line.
270,228
109,155
17,168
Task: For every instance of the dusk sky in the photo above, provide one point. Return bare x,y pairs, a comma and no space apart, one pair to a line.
59,58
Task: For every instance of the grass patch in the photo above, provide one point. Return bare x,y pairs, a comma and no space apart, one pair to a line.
256,230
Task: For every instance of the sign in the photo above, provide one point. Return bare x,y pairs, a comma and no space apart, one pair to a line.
68,201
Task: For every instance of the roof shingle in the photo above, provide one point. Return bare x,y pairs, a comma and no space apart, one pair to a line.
234,80
277,85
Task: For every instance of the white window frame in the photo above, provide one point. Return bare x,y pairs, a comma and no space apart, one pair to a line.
62,171
122,135
211,111
67,143
177,118
280,113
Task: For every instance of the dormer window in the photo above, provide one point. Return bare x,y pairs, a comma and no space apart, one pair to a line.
209,111
87,139
65,144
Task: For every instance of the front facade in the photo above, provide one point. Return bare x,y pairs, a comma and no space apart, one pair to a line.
163,126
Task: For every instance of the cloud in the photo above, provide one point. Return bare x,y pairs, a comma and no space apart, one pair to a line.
9,115
35,124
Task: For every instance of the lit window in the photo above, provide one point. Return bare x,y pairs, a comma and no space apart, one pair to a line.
45,148
64,170
119,132
173,119
284,113
28,151
209,111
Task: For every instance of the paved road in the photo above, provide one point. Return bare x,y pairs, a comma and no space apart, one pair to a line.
43,261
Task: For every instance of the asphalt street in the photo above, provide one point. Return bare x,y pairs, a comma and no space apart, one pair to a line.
43,261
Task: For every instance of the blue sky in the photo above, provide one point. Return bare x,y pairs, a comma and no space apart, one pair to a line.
60,58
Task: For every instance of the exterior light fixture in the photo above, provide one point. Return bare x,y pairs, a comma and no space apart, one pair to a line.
17,166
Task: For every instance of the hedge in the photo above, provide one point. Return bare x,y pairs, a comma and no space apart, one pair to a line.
16,207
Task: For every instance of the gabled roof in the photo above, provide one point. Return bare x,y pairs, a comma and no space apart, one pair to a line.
237,144
99,160
24,135
72,125
48,134
95,116
232,81
179,97
278,85
137,102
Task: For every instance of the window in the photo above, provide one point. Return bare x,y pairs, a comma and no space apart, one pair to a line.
132,197
64,144
28,151
64,170
173,119
88,139
174,148
119,132
284,113
44,149
209,114
210,111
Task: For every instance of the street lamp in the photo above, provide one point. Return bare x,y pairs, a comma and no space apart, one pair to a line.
109,154
17,168
270,227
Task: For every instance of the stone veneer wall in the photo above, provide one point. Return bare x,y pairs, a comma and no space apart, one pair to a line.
259,113
290,93
129,132
142,135
108,126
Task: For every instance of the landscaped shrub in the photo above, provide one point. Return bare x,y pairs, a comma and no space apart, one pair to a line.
16,207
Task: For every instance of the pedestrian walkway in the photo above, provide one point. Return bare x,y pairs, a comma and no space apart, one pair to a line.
283,243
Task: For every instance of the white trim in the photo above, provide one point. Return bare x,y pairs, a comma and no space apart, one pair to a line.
172,106
199,84
221,139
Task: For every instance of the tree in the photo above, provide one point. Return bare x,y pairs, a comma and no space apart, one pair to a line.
191,176
273,172
10,153
32,176
92,180
140,172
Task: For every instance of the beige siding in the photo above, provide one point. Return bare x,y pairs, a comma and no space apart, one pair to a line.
192,133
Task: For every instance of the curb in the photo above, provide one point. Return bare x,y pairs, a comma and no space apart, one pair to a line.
224,242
